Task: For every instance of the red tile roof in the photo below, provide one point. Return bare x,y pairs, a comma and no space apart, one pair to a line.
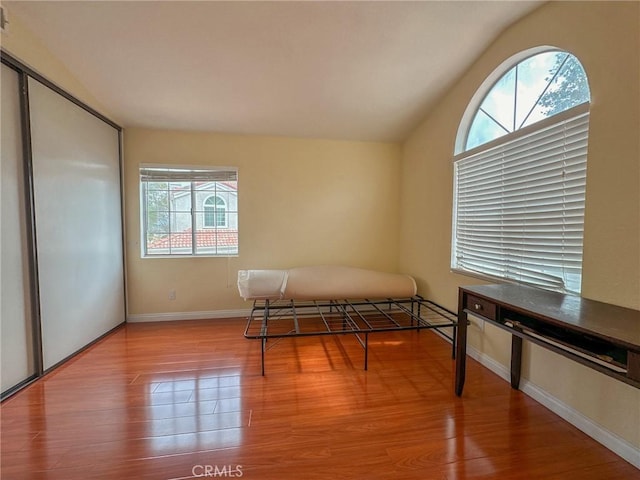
204,238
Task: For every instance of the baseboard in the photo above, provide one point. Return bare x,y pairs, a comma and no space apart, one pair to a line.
173,316
596,431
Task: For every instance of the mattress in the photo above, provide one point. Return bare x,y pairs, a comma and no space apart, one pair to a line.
323,283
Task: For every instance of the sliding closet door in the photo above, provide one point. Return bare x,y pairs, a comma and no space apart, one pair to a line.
17,348
76,177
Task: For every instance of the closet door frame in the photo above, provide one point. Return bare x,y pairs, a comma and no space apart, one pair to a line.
29,245
24,72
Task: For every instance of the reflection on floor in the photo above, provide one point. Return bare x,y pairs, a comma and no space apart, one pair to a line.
179,400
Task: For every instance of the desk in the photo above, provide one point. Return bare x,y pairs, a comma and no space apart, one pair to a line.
601,336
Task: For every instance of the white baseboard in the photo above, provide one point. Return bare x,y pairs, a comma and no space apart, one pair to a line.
613,442
172,316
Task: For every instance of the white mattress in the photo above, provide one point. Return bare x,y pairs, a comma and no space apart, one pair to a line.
323,283
262,284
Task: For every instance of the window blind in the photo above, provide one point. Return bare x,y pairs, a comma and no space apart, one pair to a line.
519,211
150,173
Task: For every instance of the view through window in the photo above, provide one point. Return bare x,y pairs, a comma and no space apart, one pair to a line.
189,211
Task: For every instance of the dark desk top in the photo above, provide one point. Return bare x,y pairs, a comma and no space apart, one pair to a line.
611,322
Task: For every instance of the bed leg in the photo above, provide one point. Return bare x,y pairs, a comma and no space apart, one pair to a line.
264,346
366,351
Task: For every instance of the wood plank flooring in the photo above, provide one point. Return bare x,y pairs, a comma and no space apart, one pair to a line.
179,400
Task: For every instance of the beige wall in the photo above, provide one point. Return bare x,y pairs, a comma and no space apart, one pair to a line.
301,202
605,38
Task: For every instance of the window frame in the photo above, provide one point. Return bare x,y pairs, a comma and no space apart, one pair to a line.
219,210
485,87
192,175
460,153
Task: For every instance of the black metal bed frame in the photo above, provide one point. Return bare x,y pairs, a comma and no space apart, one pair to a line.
271,319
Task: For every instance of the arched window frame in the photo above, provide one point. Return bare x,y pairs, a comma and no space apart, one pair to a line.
216,211
529,132
485,88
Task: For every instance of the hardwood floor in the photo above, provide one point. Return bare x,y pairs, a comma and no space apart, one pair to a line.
180,400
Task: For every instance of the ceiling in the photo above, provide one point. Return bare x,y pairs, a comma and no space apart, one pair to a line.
341,70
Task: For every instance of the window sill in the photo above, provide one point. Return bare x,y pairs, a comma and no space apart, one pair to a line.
146,257
492,279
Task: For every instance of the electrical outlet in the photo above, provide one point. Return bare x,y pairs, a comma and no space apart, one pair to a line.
172,294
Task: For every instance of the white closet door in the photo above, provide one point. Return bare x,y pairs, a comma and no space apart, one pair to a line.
17,360
76,178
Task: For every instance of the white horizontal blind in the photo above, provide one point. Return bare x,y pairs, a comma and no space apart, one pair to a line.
519,211
151,173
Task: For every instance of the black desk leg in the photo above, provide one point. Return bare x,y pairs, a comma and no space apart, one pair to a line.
516,361
461,347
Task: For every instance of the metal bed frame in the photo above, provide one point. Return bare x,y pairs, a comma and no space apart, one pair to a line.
271,319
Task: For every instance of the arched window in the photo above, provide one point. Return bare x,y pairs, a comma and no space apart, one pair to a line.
215,212
520,173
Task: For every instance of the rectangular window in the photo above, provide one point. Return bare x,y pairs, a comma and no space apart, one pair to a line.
519,206
189,211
